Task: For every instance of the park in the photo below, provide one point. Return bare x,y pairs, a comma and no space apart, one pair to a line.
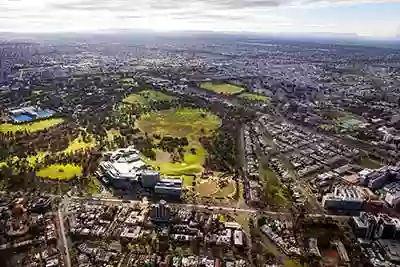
187,123
222,88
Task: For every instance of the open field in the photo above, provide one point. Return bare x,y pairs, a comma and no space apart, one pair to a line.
341,121
30,127
254,97
226,191
192,164
111,134
207,188
58,171
222,88
75,145
146,97
79,144
367,162
186,122
31,159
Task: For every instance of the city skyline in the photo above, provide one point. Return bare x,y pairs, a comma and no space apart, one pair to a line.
363,17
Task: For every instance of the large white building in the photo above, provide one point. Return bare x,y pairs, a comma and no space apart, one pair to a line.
124,169
344,197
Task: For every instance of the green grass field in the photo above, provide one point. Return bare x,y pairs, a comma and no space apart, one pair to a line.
223,88
254,97
58,171
186,122
30,127
79,144
146,97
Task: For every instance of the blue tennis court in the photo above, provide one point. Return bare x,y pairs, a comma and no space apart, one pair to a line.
22,118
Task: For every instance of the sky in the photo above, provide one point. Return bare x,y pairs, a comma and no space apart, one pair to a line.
379,18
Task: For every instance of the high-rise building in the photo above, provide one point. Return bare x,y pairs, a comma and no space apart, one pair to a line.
160,212
386,227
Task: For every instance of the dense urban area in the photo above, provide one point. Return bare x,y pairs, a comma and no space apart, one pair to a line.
198,149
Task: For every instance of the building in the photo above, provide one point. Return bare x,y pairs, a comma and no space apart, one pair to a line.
360,229
390,249
344,198
364,176
313,247
386,227
149,178
238,238
365,225
40,204
169,187
27,114
123,169
160,212
342,251
369,226
376,179
233,225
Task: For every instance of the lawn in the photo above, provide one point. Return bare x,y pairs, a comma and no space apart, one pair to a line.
291,263
222,88
186,122
58,171
30,127
254,97
146,97
192,164
79,144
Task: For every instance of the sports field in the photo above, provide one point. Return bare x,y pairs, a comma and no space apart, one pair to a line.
222,88
30,127
254,97
58,171
146,97
185,122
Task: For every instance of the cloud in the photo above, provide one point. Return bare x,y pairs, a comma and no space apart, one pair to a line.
90,15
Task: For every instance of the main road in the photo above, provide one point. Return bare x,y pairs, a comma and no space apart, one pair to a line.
63,237
255,212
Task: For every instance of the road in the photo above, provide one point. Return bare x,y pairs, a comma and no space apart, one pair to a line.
255,212
63,237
